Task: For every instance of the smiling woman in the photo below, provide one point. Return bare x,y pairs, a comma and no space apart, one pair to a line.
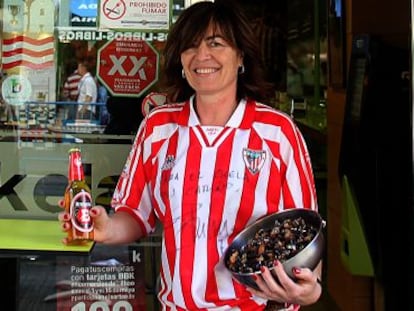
178,170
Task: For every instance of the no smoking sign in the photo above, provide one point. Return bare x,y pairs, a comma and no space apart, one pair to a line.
128,67
114,9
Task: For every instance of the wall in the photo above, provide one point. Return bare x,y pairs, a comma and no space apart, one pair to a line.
391,22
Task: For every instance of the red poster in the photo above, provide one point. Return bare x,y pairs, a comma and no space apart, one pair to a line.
128,67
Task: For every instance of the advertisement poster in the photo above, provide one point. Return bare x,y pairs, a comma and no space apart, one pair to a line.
144,15
112,279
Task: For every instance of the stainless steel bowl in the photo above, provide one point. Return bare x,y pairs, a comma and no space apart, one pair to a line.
308,257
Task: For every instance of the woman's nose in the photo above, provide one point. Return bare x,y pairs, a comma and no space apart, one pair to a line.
203,52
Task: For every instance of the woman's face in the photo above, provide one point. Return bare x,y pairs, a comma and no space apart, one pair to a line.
211,66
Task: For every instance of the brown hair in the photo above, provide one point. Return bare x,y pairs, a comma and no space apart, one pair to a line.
190,28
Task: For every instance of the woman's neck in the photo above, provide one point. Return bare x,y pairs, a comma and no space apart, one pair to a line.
214,111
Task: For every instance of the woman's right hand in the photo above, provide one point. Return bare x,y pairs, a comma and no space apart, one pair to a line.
100,220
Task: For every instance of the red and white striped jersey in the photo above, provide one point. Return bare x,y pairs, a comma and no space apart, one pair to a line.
70,87
205,184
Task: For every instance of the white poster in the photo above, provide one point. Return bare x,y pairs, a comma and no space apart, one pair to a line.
144,15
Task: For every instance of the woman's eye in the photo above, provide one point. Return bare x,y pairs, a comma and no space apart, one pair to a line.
214,43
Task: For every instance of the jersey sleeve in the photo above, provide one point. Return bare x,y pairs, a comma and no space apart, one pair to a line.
298,187
133,191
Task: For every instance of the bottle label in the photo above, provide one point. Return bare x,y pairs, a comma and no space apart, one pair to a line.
79,208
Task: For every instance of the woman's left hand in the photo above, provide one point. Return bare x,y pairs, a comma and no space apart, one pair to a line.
305,290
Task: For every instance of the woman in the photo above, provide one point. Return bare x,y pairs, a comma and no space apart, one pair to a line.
209,165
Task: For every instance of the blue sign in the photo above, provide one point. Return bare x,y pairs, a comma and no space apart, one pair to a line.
84,8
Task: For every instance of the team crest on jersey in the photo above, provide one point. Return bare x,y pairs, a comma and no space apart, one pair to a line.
168,163
254,159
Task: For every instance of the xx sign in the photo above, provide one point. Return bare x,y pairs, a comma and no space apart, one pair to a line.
127,67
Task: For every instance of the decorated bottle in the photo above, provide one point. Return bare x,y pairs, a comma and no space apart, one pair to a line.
78,200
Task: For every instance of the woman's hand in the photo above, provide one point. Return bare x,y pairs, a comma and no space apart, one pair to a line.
305,290
100,219
117,228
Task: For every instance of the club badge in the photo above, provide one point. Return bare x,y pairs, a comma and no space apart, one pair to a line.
254,159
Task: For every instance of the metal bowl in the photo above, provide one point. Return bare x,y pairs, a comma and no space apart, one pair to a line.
308,257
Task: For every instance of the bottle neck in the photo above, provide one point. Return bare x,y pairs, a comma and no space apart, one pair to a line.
75,167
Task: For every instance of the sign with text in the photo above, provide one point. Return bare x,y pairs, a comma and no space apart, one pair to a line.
128,67
66,34
112,280
144,15
83,13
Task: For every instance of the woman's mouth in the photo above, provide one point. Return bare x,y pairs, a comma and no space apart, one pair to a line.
205,70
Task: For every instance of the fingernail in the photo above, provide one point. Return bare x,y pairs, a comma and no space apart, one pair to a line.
262,269
296,270
276,263
255,277
66,217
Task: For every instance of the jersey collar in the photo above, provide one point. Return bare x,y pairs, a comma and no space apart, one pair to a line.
241,118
